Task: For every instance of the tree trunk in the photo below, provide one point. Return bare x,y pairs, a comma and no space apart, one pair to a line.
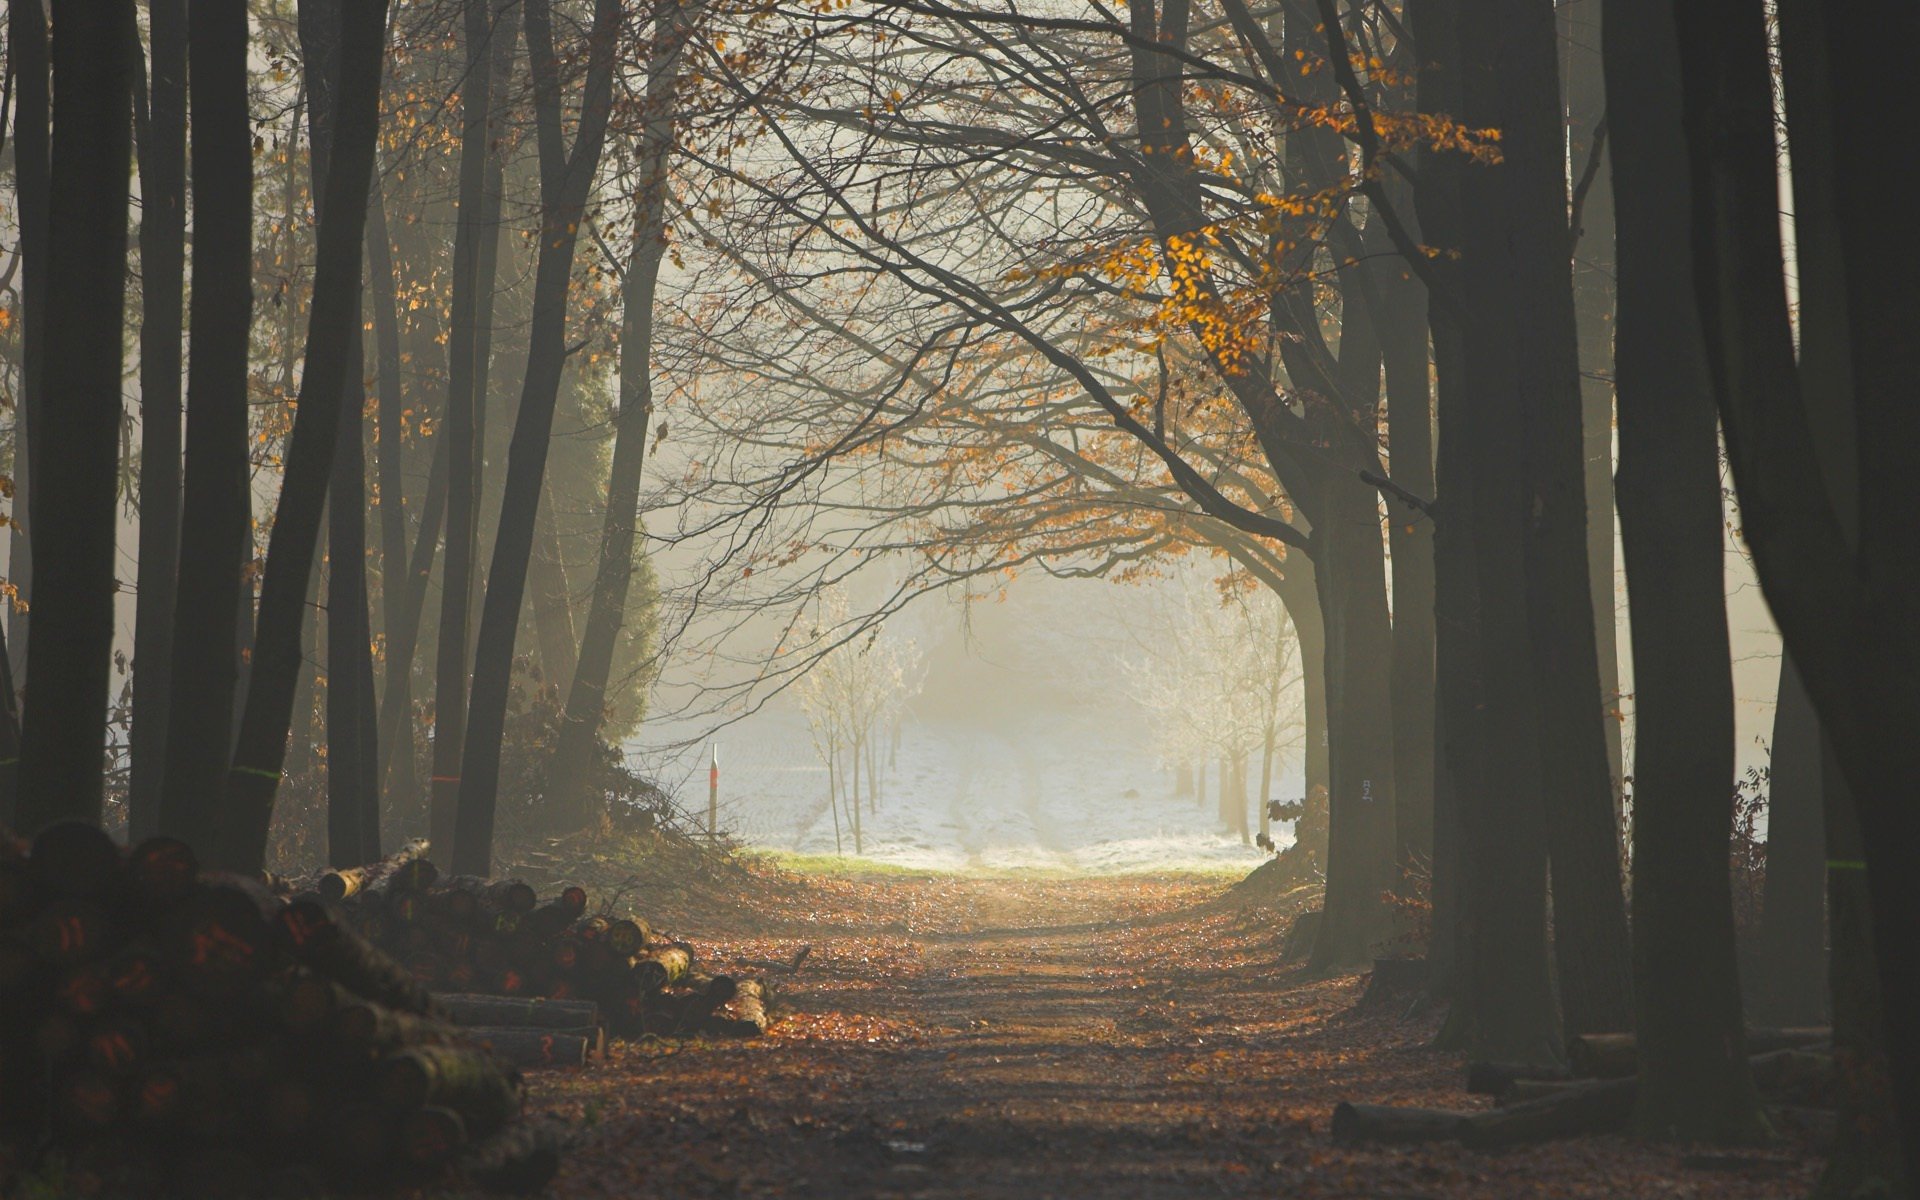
1589,905
1866,1158
1402,323
1693,1059
1457,717
300,734
261,749
383,290
75,491
1581,24
552,599
29,65
163,195
1509,1000
353,826
472,308
1270,735
410,599
1792,956
1349,567
1843,617
587,695
566,178
9,741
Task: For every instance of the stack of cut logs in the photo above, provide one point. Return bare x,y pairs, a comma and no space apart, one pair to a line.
483,938
166,1031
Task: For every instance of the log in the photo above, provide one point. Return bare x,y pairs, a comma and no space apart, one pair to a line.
1532,1089
745,1015
627,936
75,859
308,1003
359,1028
1600,1106
688,1012
290,1107
137,975
499,1011
406,869
185,1022
1586,1107
517,1161
117,1045
512,895
1392,1124
161,872
361,1139
661,968
85,991
69,932
218,1172
536,1047
222,940
19,892
88,1101
548,919
1500,1079
114,1167
333,950
1612,1055
462,1078
430,1139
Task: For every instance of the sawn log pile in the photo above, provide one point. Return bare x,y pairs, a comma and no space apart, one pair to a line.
166,1031
474,937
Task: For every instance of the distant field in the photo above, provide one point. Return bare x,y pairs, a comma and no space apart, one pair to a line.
1051,794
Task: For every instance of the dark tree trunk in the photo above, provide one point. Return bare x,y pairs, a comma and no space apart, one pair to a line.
216,531
1866,63
163,196
1512,85
353,805
587,695
30,67
1866,1157
1589,904
471,309
75,491
1402,320
1505,983
9,741
1581,23
1792,954
331,326
1690,1027
565,180
383,291
1806,494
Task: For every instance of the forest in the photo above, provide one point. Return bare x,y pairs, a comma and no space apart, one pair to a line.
431,430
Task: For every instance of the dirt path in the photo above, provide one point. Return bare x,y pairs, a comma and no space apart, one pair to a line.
1087,1037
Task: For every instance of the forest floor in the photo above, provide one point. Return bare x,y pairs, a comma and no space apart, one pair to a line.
1129,1037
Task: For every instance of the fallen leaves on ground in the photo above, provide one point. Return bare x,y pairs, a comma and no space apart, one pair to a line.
1128,1037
